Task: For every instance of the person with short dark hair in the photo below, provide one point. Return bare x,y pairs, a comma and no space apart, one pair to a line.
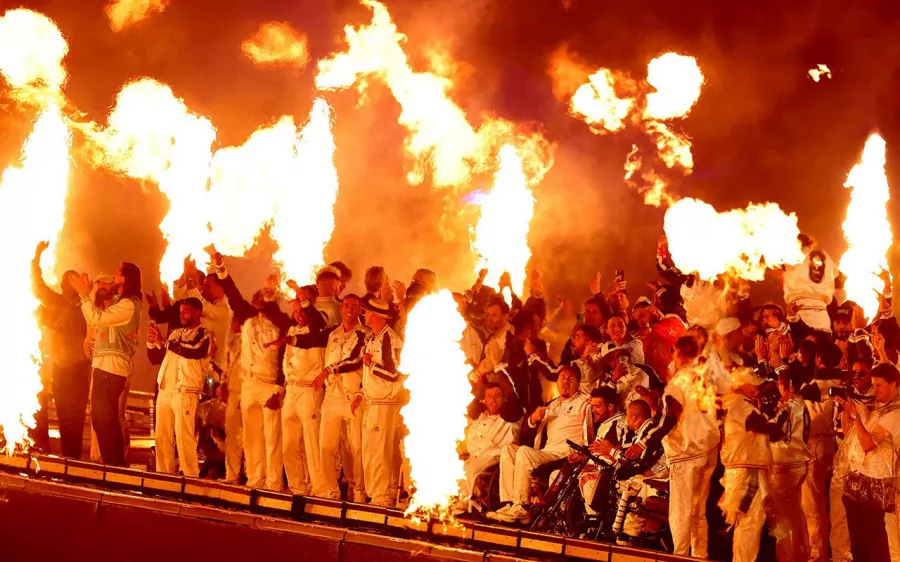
328,285
869,485
180,381
345,274
563,418
496,321
116,337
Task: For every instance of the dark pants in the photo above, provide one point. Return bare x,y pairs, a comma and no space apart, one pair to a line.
107,388
868,537
40,435
70,391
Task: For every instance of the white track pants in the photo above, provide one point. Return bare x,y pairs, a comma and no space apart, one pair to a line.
341,439
234,442
300,426
262,436
516,465
789,523
688,491
815,496
379,448
474,466
175,416
748,526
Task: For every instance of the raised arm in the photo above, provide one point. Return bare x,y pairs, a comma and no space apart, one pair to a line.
45,294
118,314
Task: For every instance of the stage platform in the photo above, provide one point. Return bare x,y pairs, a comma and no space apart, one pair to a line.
56,509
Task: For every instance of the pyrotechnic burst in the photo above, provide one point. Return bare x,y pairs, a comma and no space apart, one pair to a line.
819,72
277,43
501,237
867,229
124,13
439,393
610,101
743,242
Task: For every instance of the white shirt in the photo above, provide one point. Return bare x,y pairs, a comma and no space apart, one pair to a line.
565,420
302,366
488,434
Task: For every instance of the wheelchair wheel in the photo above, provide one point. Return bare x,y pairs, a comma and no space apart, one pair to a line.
573,515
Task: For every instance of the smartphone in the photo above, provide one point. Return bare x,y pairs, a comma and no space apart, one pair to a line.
620,275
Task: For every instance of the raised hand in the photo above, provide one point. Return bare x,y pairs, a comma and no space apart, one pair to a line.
164,298
82,284
595,284
151,299
399,290
41,247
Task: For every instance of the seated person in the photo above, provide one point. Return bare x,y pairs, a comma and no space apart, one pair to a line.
485,437
623,375
563,418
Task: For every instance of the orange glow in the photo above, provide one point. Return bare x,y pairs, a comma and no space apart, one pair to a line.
277,43
124,13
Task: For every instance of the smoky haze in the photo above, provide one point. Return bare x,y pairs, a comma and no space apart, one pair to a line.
762,129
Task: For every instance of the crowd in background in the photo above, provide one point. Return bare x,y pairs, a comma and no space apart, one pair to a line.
796,400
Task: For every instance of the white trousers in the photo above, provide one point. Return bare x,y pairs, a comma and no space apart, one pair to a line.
688,492
748,526
893,533
516,465
175,416
234,442
262,436
341,440
840,532
473,466
788,522
379,448
300,424
814,493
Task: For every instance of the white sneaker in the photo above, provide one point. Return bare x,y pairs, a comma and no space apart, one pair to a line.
459,507
359,496
515,514
495,515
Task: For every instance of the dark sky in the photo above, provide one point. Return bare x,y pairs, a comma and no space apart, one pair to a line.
762,130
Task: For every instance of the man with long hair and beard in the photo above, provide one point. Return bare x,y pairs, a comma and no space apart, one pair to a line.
116,338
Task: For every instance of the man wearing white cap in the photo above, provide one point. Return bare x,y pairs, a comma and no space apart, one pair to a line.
722,357
382,389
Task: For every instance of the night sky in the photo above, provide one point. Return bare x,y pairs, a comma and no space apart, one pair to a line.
762,129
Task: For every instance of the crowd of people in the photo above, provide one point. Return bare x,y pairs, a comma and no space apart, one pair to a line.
797,401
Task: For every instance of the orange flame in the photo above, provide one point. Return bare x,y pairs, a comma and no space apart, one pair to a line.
124,13
277,43
31,51
743,242
819,72
440,141
501,237
439,393
867,229
304,219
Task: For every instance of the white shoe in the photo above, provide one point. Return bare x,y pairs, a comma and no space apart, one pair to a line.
496,515
332,495
359,496
459,507
515,514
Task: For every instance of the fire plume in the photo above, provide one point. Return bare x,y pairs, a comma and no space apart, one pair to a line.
441,142
501,237
611,102
867,229
304,219
439,393
819,72
32,209
153,136
277,43
124,13
31,51
743,242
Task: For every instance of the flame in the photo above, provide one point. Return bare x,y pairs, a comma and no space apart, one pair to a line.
610,102
439,393
153,136
31,50
742,241
819,72
677,80
124,13
867,229
277,43
32,209
304,220
441,142
501,237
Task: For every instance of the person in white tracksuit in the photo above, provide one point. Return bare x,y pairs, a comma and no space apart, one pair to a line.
341,432
230,393
180,379
790,457
564,418
262,324
747,459
301,413
382,389
485,438
690,438
809,287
